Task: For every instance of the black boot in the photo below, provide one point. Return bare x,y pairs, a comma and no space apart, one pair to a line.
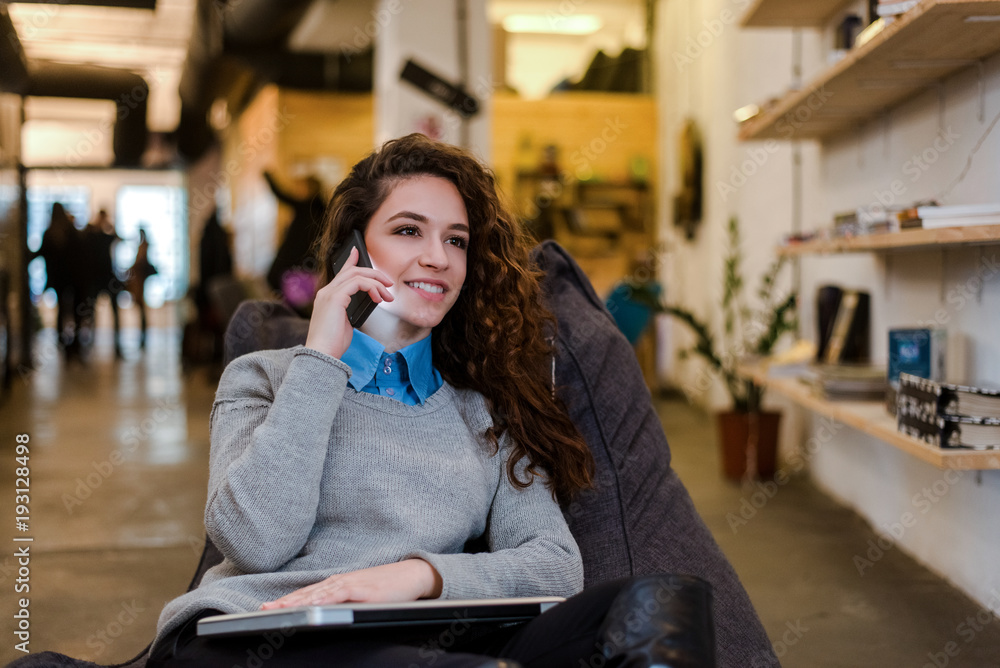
660,621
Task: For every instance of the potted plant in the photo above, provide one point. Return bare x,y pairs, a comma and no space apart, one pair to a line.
748,435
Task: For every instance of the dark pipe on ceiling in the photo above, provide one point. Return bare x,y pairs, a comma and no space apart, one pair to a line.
257,23
230,40
312,71
13,63
129,4
127,90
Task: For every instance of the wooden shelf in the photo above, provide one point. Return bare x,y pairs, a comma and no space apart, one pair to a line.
922,46
871,418
915,239
790,13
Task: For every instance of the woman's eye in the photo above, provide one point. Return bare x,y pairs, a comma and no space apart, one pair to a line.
407,231
461,242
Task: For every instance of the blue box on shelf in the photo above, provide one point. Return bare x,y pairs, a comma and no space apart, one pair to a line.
917,350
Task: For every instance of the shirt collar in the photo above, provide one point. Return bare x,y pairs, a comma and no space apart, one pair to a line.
365,353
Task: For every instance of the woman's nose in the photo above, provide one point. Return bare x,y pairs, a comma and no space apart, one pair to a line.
434,254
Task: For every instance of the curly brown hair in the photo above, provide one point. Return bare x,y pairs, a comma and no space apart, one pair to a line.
496,339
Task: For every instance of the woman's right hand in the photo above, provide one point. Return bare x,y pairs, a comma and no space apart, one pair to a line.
330,330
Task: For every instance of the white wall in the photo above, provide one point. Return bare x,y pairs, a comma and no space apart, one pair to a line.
922,148
953,526
428,33
707,67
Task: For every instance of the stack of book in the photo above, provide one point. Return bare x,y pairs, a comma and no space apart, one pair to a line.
847,224
958,216
948,415
908,219
931,217
851,382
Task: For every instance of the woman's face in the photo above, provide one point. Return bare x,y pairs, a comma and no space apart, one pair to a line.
419,238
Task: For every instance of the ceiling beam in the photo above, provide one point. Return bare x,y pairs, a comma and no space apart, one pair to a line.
128,4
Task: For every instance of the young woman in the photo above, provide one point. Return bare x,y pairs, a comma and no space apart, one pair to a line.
358,466
140,270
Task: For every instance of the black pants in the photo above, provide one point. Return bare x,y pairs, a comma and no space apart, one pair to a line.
565,635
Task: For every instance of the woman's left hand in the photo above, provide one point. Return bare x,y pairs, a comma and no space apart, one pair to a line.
402,581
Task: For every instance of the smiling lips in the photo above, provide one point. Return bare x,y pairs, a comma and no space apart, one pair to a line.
430,291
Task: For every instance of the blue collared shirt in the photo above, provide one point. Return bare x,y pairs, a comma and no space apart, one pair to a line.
407,375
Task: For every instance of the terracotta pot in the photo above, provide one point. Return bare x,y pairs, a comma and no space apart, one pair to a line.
738,433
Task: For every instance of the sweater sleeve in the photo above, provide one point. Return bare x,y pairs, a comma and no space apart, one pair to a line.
270,436
531,549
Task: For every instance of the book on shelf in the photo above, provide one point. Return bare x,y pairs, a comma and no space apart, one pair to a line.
844,322
959,221
948,414
908,219
872,31
854,382
894,7
954,431
943,398
962,215
918,351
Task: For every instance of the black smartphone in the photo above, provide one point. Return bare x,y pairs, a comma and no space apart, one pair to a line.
361,305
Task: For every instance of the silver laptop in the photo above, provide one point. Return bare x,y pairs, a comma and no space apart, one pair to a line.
369,615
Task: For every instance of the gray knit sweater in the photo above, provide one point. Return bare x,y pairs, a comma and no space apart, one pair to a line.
309,478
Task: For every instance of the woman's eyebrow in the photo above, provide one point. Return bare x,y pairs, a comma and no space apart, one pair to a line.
421,218
407,214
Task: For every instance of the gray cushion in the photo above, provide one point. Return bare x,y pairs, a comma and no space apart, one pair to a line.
639,520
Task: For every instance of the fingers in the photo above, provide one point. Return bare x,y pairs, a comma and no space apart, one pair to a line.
390,582
326,592
352,279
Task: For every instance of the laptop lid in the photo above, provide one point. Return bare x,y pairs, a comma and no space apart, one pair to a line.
370,615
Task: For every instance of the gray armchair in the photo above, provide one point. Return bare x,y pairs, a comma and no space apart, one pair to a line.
638,520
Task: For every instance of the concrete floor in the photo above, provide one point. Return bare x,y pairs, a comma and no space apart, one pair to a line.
118,454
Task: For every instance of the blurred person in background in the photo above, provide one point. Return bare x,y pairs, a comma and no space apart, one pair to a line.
65,273
215,261
294,271
140,270
99,238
